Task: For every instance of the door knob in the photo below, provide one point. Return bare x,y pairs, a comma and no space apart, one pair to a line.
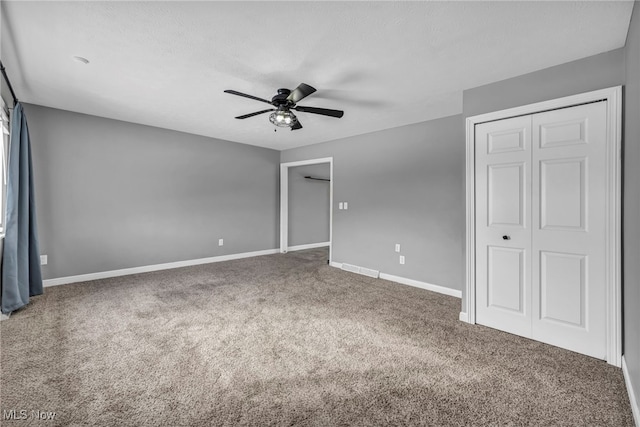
506,237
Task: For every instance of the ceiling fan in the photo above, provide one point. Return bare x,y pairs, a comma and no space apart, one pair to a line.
285,101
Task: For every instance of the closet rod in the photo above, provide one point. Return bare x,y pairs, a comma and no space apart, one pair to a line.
317,179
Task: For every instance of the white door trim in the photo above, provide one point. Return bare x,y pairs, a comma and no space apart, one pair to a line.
284,199
613,96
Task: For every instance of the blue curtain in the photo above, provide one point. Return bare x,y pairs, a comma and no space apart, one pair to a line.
21,277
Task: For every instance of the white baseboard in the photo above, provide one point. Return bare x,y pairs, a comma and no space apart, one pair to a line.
631,392
414,283
308,246
463,317
156,267
422,285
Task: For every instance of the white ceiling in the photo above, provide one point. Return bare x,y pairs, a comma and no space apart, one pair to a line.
386,64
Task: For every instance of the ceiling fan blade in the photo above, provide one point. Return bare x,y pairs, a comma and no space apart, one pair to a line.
302,91
235,92
322,111
246,116
296,126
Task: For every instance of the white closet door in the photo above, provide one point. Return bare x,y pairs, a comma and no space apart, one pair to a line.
569,234
541,227
503,225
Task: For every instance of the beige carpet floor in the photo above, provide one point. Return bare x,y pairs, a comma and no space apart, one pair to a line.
285,340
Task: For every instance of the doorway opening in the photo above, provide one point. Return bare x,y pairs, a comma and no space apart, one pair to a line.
284,199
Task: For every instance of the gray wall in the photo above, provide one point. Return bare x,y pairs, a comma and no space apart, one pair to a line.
584,75
631,203
403,185
308,205
113,195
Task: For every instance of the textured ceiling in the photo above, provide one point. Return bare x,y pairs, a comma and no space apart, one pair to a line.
386,64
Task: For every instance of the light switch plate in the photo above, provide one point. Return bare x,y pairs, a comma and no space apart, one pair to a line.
402,259
397,247
44,259
340,206
346,206
220,242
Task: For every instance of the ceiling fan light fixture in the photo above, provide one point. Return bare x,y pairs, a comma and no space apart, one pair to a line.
283,118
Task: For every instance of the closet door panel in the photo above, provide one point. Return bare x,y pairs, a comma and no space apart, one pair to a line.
503,225
568,233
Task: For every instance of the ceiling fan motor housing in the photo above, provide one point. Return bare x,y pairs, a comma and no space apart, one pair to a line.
281,97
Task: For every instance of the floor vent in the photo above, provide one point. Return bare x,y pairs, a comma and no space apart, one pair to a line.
351,268
361,270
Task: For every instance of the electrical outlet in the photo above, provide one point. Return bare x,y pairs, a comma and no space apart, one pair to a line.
220,242
397,247
340,205
44,259
402,259
346,206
